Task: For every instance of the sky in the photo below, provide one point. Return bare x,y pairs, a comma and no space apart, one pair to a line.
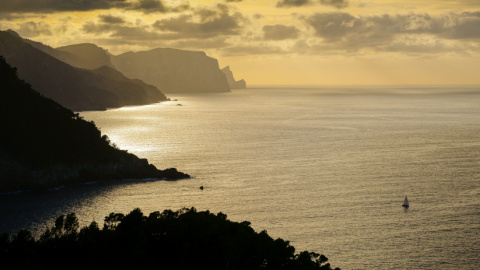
276,42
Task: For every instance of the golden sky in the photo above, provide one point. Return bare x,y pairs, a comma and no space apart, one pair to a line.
286,42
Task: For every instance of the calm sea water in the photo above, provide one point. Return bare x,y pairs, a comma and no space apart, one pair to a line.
326,168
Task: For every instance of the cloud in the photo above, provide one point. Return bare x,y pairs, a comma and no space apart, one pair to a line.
298,3
148,6
110,19
407,33
151,6
292,3
33,29
252,49
204,22
59,5
126,31
335,3
280,32
209,43
94,28
461,26
333,27
49,6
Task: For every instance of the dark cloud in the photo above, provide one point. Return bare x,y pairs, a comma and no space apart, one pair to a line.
204,27
333,27
411,33
465,26
47,6
299,3
151,6
204,22
293,3
123,33
110,19
280,32
59,5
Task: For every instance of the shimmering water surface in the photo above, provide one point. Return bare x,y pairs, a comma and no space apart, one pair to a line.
326,168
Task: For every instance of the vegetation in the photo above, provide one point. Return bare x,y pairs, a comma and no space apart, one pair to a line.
185,239
44,144
41,131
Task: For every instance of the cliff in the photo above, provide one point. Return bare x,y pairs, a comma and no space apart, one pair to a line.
75,88
232,83
48,145
173,70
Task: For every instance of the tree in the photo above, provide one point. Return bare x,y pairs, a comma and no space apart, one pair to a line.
183,239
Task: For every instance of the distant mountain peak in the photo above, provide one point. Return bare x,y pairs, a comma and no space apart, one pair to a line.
84,45
88,55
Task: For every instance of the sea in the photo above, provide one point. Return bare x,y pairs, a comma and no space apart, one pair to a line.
324,167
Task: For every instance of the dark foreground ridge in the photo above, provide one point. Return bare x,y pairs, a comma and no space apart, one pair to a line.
185,239
43,144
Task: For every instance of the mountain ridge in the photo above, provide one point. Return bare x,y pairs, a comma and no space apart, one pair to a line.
48,145
173,70
75,88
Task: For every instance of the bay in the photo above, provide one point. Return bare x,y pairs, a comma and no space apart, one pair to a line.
324,167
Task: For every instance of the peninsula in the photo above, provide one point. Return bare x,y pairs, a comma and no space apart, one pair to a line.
44,145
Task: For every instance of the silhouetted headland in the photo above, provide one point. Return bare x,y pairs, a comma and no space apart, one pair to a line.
173,70
234,84
75,88
43,144
184,239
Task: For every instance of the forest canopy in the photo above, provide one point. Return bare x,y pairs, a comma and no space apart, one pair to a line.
183,239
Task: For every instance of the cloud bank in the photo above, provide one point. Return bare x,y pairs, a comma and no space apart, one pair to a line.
299,3
49,6
227,30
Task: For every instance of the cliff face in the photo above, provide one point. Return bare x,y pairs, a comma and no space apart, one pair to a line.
241,84
48,145
74,88
173,71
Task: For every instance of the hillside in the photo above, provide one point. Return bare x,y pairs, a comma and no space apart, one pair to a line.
173,70
44,144
74,88
86,55
183,239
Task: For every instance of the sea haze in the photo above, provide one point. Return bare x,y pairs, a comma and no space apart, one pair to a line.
326,168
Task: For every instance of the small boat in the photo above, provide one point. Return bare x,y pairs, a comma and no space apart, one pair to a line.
405,202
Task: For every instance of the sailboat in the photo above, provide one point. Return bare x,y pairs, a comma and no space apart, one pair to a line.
405,202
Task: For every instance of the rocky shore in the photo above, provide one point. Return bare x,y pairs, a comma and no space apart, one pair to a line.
15,176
